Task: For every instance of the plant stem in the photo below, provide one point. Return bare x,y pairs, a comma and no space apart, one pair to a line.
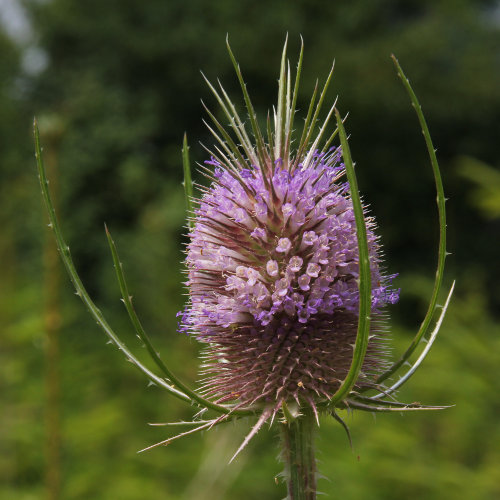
298,454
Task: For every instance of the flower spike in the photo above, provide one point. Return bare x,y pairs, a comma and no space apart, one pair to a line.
284,269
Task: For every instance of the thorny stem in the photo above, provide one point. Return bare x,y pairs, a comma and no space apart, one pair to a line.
297,438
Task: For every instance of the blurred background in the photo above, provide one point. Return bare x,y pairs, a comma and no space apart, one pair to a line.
115,84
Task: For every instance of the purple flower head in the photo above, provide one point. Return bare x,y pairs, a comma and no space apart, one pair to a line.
286,288
273,267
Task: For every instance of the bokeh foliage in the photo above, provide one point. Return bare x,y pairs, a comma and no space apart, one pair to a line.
123,84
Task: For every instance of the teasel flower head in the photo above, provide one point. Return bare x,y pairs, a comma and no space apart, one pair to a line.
273,266
287,291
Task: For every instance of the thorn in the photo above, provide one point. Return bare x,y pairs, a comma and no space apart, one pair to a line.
265,415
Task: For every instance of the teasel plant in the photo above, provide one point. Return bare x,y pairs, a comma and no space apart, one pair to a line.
287,290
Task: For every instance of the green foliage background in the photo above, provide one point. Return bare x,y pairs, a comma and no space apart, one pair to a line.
120,87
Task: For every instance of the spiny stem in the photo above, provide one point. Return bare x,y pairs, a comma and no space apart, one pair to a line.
297,438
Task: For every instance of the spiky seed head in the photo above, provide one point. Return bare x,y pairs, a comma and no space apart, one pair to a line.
273,274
